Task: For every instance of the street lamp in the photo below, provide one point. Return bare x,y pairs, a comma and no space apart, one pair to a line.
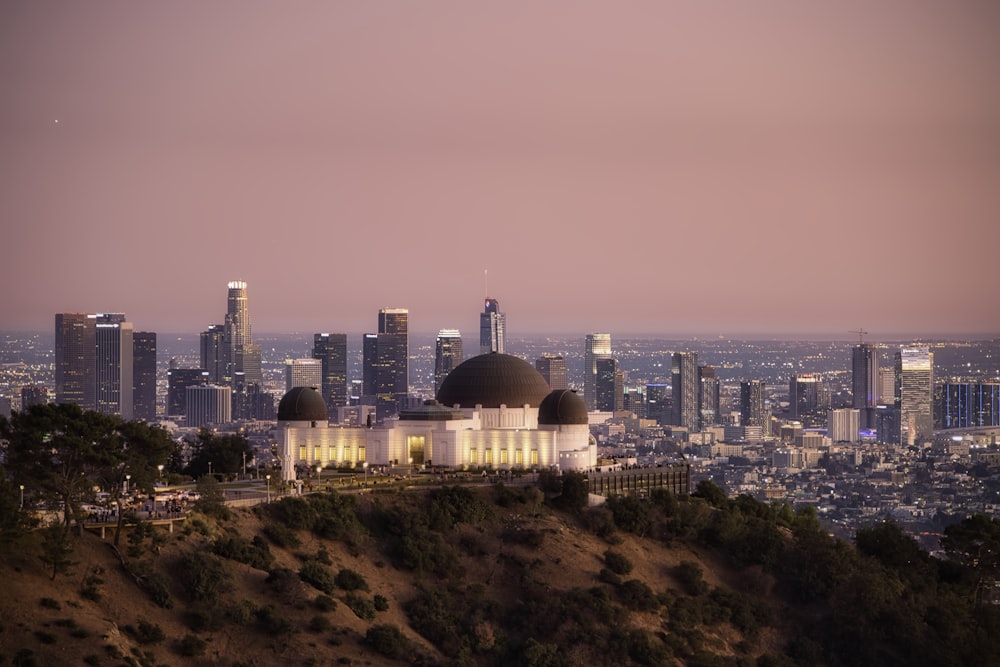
319,474
127,478
209,468
160,469
22,497
365,466
268,489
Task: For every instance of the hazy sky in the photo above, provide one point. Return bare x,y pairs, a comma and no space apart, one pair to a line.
630,167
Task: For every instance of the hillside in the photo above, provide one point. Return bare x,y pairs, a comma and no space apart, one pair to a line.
515,559
490,575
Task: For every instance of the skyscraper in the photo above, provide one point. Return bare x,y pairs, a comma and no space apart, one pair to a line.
144,375
708,396
597,346
447,354
33,394
553,369
75,350
178,381
386,362
609,386
213,352
238,338
915,393
492,324
208,404
685,389
331,349
303,373
114,368
864,382
752,411
970,404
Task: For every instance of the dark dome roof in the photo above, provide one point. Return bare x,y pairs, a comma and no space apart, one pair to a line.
562,407
302,404
492,380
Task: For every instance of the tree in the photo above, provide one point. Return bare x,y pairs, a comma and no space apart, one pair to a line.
708,490
975,543
57,547
59,450
14,521
215,453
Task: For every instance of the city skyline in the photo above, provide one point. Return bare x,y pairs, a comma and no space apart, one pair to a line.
674,169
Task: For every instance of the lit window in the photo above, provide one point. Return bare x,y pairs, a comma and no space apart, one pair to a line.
534,457
519,457
503,456
361,454
489,456
472,456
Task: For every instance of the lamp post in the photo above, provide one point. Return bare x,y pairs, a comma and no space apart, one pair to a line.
21,507
319,474
160,469
365,466
268,489
127,478
209,468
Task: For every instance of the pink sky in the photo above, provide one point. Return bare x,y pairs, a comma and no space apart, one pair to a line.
632,167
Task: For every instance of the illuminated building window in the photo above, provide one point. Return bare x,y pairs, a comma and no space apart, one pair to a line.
472,456
361,454
503,456
302,452
415,445
534,457
489,457
519,457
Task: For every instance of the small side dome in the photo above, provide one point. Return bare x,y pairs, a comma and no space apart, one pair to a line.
561,408
302,404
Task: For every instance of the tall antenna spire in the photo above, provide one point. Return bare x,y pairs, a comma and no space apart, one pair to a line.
486,283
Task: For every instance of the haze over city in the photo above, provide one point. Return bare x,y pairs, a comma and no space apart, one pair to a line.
660,168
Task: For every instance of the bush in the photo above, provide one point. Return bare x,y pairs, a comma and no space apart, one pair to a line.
362,607
204,576
617,562
388,640
272,621
318,576
689,577
287,585
325,603
609,577
50,603
349,580
320,623
638,596
381,603
192,646
281,535
254,553
147,633
242,613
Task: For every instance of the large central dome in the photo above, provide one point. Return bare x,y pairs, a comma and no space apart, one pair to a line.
492,380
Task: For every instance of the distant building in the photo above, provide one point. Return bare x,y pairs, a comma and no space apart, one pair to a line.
33,394
492,328
708,397
656,402
208,404
303,373
178,381
844,425
385,359
144,375
212,345
553,369
864,382
448,354
915,383
752,407
970,404
331,350
597,346
686,390
114,364
75,360
609,386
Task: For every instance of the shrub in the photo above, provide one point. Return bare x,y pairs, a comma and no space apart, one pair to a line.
689,577
281,535
381,603
45,637
638,596
320,623
349,580
272,621
617,562
325,603
318,576
242,613
609,577
204,576
254,553
287,585
192,646
362,607
631,514
388,640
50,603
147,633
